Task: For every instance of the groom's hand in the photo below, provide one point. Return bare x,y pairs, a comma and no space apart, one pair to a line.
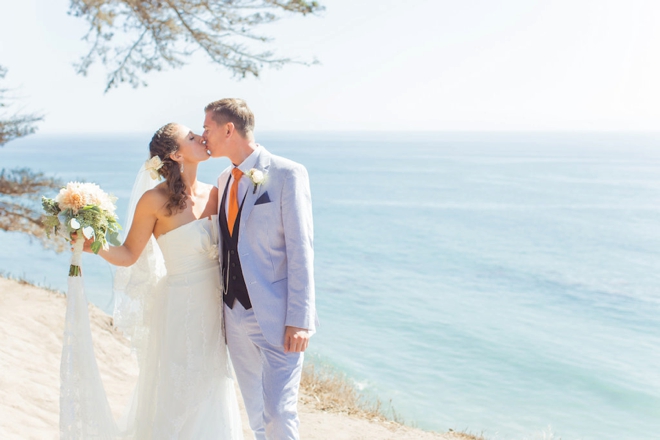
295,339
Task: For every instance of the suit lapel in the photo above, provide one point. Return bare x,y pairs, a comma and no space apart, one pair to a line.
222,183
263,163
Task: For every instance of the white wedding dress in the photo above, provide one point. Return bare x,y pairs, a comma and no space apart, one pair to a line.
169,304
185,387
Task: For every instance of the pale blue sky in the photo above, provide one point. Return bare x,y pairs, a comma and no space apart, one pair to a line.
386,65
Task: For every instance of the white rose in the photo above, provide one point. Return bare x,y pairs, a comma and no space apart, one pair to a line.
154,162
257,176
153,165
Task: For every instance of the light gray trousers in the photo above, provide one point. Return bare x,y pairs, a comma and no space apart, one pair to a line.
268,377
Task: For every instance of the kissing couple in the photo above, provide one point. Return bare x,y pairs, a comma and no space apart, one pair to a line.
214,277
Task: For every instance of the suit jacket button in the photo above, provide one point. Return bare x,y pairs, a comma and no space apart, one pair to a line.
234,277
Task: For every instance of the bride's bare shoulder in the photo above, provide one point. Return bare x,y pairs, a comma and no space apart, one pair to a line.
155,197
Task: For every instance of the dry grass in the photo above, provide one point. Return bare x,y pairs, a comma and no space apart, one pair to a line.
329,390
465,435
25,282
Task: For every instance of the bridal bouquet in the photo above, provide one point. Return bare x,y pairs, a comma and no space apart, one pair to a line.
84,209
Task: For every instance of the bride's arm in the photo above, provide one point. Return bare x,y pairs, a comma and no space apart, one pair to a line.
144,221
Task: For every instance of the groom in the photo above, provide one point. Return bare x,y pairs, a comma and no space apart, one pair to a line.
267,268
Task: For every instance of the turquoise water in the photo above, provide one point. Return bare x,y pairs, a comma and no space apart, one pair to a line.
502,283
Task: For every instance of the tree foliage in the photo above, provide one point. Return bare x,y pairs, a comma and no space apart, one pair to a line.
21,189
13,124
133,37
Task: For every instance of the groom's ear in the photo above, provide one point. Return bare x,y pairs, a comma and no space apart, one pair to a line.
229,129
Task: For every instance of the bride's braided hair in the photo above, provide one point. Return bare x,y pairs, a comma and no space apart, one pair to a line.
162,144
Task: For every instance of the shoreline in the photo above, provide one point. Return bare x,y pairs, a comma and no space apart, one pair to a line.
31,327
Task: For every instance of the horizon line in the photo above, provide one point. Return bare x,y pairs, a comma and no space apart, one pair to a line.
372,131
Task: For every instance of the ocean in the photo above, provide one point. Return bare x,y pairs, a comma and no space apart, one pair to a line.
501,283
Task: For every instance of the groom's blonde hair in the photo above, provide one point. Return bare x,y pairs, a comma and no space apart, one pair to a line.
232,110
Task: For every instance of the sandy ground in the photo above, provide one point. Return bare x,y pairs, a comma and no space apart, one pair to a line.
31,327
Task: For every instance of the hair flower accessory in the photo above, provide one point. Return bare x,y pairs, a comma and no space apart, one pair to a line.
153,165
257,177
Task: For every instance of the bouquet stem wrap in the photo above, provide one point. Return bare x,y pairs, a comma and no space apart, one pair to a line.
84,409
75,269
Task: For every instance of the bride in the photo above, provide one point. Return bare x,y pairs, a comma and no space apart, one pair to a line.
173,312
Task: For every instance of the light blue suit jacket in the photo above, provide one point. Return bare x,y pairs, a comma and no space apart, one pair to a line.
275,245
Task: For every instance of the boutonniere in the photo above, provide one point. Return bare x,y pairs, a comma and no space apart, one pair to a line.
257,177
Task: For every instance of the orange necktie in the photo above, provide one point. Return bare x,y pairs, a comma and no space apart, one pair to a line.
233,199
